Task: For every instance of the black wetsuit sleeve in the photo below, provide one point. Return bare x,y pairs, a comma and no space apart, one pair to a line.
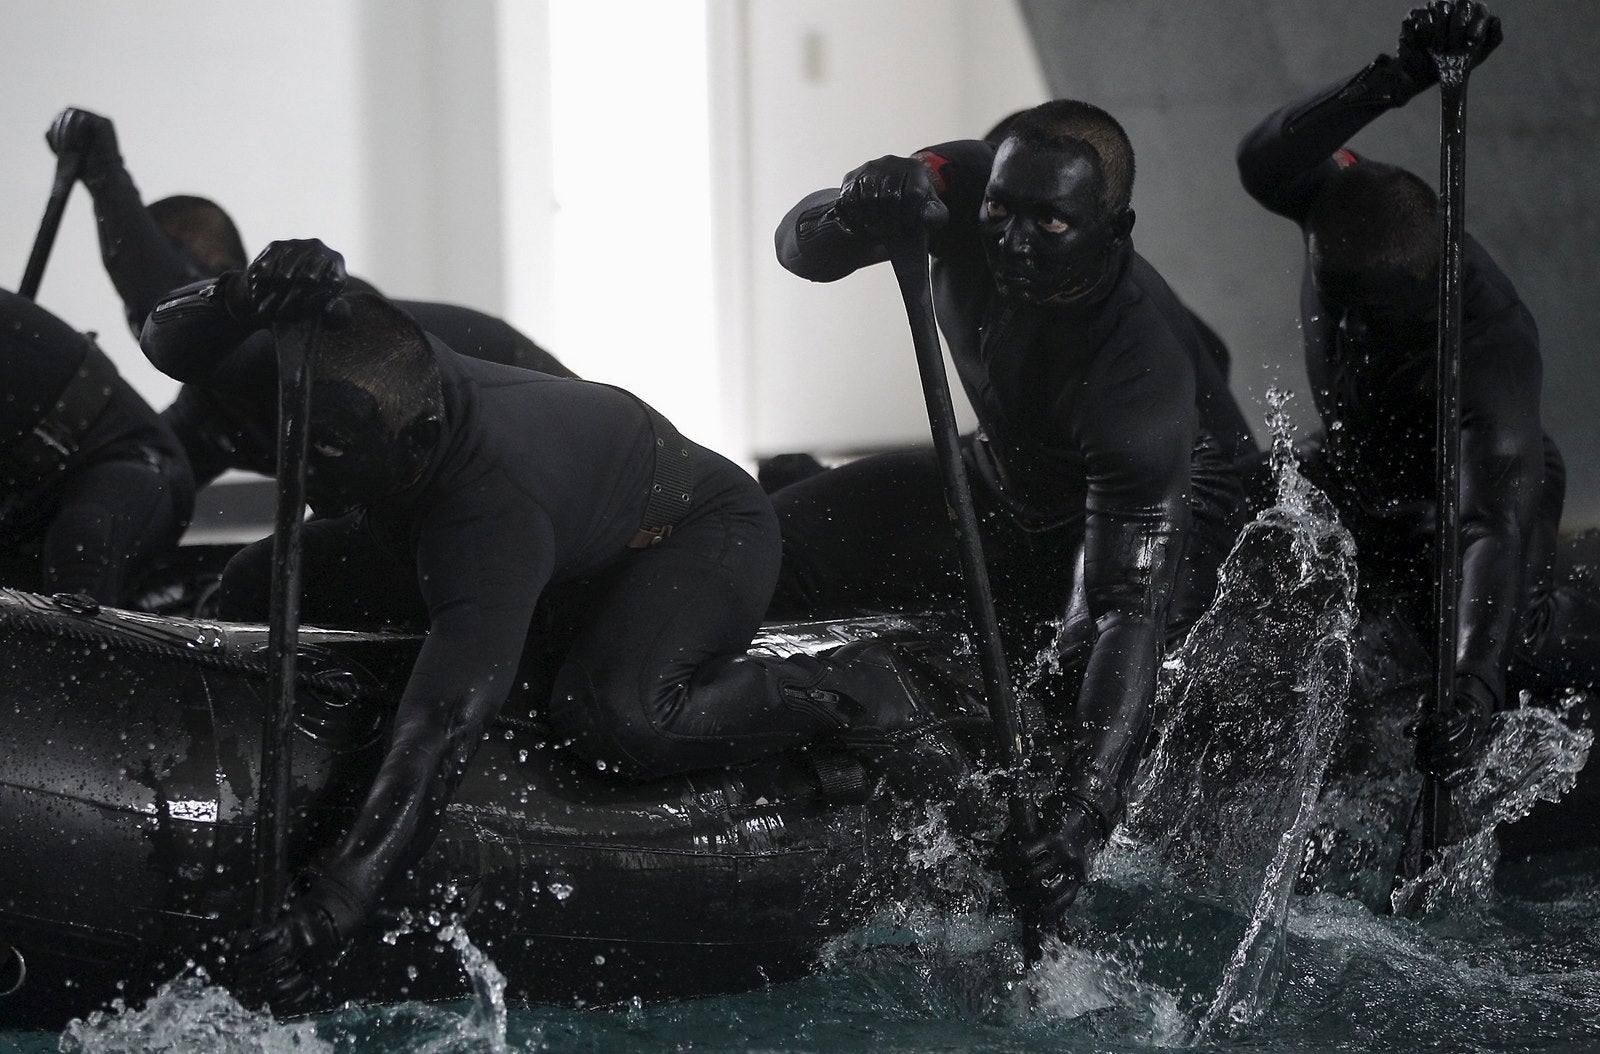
1137,438
480,576
1502,473
191,335
143,263
1285,159
812,243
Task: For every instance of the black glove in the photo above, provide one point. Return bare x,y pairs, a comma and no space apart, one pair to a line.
1446,27
273,964
88,135
1450,739
891,200
289,279
1053,865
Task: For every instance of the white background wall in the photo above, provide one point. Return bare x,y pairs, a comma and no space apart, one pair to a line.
831,85
420,139
203,96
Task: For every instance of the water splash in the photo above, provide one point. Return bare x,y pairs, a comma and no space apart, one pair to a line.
1534,756
1105,994
189,1014
479,1025
1250,708
486,1021
1180,933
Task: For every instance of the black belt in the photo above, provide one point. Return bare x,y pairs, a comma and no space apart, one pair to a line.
43,451
671,482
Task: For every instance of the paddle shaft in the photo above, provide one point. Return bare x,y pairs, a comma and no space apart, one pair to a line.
911,271
296,344
1447,537
45,240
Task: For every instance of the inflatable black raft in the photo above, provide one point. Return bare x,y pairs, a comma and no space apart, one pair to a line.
128,772
129,750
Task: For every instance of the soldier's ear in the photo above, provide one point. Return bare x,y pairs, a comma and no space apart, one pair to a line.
1122,225
422,434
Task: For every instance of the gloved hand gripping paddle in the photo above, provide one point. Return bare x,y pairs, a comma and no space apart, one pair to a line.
296,340
67,165
911,271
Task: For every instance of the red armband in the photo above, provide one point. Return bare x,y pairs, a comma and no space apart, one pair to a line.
935,165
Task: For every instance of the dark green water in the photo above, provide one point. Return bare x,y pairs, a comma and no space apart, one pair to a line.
1519,974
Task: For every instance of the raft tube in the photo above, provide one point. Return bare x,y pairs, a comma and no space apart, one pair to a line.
129,756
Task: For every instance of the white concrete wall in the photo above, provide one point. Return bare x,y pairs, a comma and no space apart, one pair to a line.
798,93
257,106
415,137
430,90
831,84
629,150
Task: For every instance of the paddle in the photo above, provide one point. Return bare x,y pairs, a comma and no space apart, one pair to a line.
296,342
1432,821
911,271
45,240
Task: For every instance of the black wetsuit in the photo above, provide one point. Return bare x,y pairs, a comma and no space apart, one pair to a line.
1375,456
219,434
1089,416
145,264
536,482
93,485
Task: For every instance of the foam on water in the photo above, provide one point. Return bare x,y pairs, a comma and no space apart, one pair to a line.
189,1014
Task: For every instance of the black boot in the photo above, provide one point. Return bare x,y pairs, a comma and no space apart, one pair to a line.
775,473
892,714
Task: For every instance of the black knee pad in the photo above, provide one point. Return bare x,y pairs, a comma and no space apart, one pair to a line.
79,557
607,737
245,593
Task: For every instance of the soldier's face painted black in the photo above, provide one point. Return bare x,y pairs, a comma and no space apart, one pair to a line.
1381,308
1048,236
353,459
